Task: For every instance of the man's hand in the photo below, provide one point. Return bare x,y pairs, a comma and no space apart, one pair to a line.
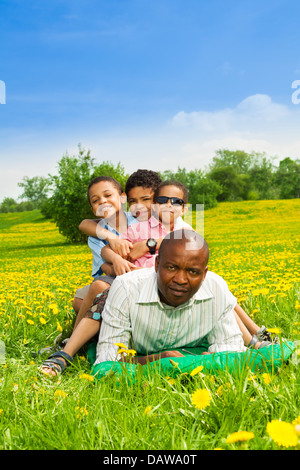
119,246
143,360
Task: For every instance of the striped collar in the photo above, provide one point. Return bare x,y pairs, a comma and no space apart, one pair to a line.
149,293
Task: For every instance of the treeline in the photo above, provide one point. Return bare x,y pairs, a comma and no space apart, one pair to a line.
231,176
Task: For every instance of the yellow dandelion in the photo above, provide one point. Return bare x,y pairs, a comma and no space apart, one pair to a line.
147,409
239,436
267,378
121,345
282,433
201,398
171,381
88,377
275,331
82,412
196,371
60,394
30,322
43,321
296,421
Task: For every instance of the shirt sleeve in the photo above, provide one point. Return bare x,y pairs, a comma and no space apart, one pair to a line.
226,334
116,325
96,245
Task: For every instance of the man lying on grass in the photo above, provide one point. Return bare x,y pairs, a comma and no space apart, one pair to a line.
176,305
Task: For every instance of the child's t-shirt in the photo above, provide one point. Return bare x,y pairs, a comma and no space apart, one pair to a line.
151,228
96,244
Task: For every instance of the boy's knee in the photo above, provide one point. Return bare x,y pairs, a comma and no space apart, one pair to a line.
98,286
76,304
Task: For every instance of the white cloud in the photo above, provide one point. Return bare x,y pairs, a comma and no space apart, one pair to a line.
256,124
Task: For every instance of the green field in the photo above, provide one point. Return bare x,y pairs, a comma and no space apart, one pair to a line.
254,246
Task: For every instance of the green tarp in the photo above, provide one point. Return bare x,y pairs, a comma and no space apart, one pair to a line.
267,359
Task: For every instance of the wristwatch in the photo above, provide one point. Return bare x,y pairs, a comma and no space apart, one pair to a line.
151,244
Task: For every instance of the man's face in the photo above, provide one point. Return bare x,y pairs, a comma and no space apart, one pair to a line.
180,273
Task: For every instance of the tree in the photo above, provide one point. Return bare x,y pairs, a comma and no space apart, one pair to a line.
234,186
35,190
10,205
238,160
288,178
262,174
202,189
68,204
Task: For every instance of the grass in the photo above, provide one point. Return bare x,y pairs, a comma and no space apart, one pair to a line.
254,246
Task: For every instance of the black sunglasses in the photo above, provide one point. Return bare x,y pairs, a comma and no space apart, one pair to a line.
175,201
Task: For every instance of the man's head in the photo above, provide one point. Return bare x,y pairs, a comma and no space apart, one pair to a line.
170,199
105,195
140,188
181,266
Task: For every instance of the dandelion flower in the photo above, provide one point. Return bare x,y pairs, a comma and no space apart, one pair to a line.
147,409
60,393
121,345
296,421
196,371
275,331
87,377
267,378
282,433
201,398
239,436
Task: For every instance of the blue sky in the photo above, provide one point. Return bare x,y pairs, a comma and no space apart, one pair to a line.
149,83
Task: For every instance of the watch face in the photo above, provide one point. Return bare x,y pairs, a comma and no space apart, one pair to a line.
152,242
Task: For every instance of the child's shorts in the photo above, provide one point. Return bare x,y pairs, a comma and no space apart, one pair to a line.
95,311
82,292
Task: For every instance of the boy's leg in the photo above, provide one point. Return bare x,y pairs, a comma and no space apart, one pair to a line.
86,330
78,297
95,288
246,320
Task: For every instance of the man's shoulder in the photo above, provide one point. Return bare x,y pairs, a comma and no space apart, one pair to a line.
137,276
214,280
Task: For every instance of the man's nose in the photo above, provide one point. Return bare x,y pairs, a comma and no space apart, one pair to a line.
180,277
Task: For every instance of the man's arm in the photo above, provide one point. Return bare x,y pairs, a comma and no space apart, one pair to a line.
226,335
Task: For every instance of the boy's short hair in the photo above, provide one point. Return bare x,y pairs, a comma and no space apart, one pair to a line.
98,179
144,179
178,184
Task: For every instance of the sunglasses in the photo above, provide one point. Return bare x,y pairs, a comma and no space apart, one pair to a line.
175,201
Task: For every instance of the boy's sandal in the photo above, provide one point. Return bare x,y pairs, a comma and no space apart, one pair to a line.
255,340
56,363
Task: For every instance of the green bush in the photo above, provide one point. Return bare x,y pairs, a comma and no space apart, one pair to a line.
68,204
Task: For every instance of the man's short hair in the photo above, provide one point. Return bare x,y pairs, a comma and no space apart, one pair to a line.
192,239
144,179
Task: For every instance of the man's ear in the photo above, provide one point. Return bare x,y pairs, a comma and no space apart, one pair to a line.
156,263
